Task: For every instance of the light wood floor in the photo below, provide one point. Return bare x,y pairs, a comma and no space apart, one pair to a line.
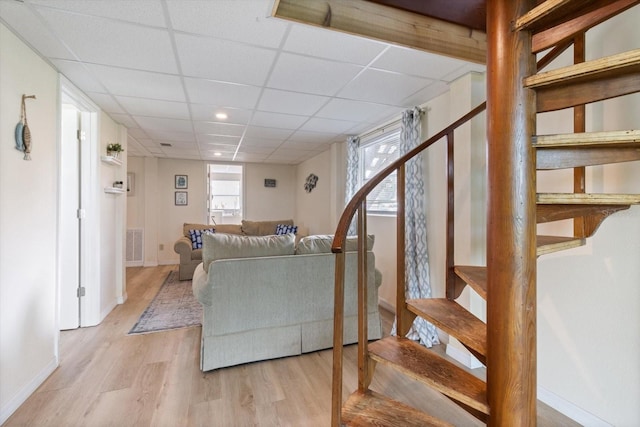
107,378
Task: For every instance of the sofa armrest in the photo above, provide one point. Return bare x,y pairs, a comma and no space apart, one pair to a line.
183,247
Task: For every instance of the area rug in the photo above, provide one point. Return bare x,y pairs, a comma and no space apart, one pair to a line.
173,307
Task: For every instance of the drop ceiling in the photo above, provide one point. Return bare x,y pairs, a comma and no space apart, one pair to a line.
165,68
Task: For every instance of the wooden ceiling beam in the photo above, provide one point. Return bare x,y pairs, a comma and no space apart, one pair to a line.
388,24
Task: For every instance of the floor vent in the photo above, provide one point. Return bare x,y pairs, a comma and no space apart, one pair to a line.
135,240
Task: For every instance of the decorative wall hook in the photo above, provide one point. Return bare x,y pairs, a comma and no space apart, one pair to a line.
23,134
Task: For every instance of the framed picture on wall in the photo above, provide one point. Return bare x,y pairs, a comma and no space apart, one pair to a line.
181,198
182,182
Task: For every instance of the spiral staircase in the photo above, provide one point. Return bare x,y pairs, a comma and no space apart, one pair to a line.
517,89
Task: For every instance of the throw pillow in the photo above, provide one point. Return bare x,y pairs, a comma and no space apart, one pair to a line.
196,237
262,228
225,246
321,244
286,229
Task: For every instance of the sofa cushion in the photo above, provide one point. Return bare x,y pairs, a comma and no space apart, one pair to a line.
221,228
286,229
262,228
321,243
224,246
196,237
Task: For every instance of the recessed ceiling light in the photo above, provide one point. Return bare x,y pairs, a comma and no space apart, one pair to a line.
217,154
221,116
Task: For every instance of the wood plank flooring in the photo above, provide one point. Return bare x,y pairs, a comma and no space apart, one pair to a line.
107,378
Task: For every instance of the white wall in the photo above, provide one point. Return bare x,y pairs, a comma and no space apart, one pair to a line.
589,298
28,221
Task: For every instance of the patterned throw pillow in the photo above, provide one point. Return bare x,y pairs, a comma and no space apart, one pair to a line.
196,237
286,229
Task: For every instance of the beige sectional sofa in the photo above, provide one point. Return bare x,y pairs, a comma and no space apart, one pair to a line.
190,257
277,300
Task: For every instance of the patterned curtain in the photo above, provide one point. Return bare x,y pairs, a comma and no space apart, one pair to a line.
353,166
417,258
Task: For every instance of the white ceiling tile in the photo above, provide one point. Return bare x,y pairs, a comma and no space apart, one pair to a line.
311,75
217,128
357,110
465,69
163,124
246,21
202,112
223,94
286,121
137,133
327,125
250,157
267,133
280,101
107,42
322,42
124,119
425,94
221,148
223,60
148,143
257,149
161,135
417,63
383,87
141,84
312,137
154,108
79,74
260,142
106,102
305,146
218,140
146,12
18,16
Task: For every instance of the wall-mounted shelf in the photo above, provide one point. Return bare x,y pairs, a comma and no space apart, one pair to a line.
111,160
114,190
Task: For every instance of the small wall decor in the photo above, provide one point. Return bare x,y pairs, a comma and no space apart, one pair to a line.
182,181
181,198
23,134
268,182
311,182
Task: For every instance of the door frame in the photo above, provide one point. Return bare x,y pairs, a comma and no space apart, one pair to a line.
89,202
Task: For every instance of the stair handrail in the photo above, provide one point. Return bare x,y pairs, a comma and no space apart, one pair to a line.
358,204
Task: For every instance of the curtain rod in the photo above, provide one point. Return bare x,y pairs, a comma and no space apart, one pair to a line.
382,128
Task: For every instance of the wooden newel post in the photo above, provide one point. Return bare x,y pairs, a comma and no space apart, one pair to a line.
511,241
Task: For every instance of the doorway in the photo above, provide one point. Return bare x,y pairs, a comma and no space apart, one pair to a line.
70,217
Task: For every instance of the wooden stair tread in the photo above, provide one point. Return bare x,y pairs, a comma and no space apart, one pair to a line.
587,198
425,366
474,276
549,244
622,63
455,320
598,139
539,12
373,409
558,212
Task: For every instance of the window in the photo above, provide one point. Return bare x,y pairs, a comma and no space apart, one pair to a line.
225,193
377,151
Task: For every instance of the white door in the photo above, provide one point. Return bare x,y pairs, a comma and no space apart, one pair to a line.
69,221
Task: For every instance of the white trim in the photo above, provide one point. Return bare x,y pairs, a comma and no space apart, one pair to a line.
386,305
14,403
135,264
570,410
122,299
105,312
150,264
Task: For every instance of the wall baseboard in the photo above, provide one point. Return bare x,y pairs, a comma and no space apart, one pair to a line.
386,305
570,410
14,403
150,264
463,356
122,298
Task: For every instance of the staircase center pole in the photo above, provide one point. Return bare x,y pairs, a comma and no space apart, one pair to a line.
511,220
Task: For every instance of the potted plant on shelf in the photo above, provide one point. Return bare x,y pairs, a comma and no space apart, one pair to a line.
114,150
